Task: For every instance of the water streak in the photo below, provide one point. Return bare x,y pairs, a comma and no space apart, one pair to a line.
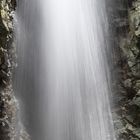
63,77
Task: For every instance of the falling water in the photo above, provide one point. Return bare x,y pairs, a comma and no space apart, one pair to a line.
62,79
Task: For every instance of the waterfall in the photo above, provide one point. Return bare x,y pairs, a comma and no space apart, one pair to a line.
62,79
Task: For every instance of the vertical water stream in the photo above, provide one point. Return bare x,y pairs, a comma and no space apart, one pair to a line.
62,79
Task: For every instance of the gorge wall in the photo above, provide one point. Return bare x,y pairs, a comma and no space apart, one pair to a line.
126,60
8,107
10,127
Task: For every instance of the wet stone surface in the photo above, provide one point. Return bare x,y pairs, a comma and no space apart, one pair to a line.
8,103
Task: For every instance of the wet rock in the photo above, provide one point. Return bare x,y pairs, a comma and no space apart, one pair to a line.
134,16
128,84
8,103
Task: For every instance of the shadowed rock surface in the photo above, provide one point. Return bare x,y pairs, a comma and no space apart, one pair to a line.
126,59
8,103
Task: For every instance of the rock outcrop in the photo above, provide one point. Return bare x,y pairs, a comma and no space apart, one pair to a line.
10,127
8,103
126,111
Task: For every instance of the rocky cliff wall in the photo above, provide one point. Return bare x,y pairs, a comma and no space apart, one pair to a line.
126,58
8,104
10,126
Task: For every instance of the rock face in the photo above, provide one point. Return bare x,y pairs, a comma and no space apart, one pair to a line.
127,67
8,105
10,127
